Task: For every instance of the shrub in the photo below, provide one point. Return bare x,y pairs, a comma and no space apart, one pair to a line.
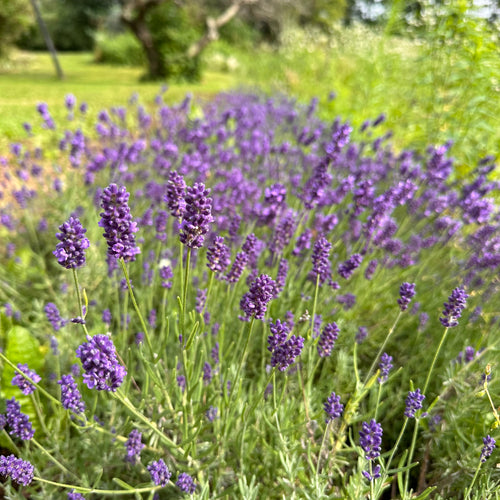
120,48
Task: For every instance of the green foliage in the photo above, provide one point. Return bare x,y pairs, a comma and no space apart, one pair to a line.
14,19
120,48
71,24
173,34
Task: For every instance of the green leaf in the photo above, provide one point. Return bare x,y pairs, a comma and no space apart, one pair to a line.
123,484
425,493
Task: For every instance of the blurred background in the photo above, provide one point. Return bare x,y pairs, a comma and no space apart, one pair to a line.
431,66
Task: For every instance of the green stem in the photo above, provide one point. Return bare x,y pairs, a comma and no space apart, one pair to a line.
309,332
53,459
80,489
434,360
469,489
323,441
381,350
395,447
184,293
410,455
79,298
137,310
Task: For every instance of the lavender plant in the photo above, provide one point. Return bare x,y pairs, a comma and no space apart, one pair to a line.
210,350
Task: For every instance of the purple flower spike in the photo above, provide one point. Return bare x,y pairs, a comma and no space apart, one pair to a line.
73,495
23,383
70,252
197,217
327,340
333,407
413,403
54,316
489,446
99,360
160,474
406,293
176,192
218,256
20,471
19,423
350,265
117,222
134,446
71,398
454,307
254,302
370,439
321,260
385,366
185,483
285,353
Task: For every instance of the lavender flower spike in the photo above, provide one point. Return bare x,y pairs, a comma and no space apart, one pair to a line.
197,217
489,446
185,483
254,302
218,256
370,439
71,398
176,192
134,446
454,307
20,471
99,360
70,252
333,407
24,384
327,340
406,293
385,366
117,222
321,260
160,474
413,403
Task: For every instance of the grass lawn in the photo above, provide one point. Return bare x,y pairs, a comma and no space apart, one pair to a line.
30,78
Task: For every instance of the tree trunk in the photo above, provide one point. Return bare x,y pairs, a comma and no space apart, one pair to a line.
134,16
48,40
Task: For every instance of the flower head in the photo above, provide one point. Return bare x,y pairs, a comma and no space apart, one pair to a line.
73,495
70,252
20,471
134,446
176,192
23,383
197,216
370,439
333,407
454,307
71,398
385,366
185,483
406,293
18,422
321,260
350,265
489,446
160,474
218,255
100,362
413,403
116,220
285,352
254,302
327,340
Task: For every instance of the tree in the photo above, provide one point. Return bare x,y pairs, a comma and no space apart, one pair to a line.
14,19
172,40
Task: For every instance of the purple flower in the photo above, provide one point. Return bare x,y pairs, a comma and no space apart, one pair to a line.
385,366
370,269
73,495
166,274
370,439
69,101
99,360
375,473
254,302
321,260
70,252
18,422
218,256
197,216
160,475
333,407
71,398
134,446
185,483
24,384
281,275
350,265
328,339
54,317
361,334
454,307
413,403
176,192
240,261
20,471
406,293
489,446
284,353
212,413
116,220
106,316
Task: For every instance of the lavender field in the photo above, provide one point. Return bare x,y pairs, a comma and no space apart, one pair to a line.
239,299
